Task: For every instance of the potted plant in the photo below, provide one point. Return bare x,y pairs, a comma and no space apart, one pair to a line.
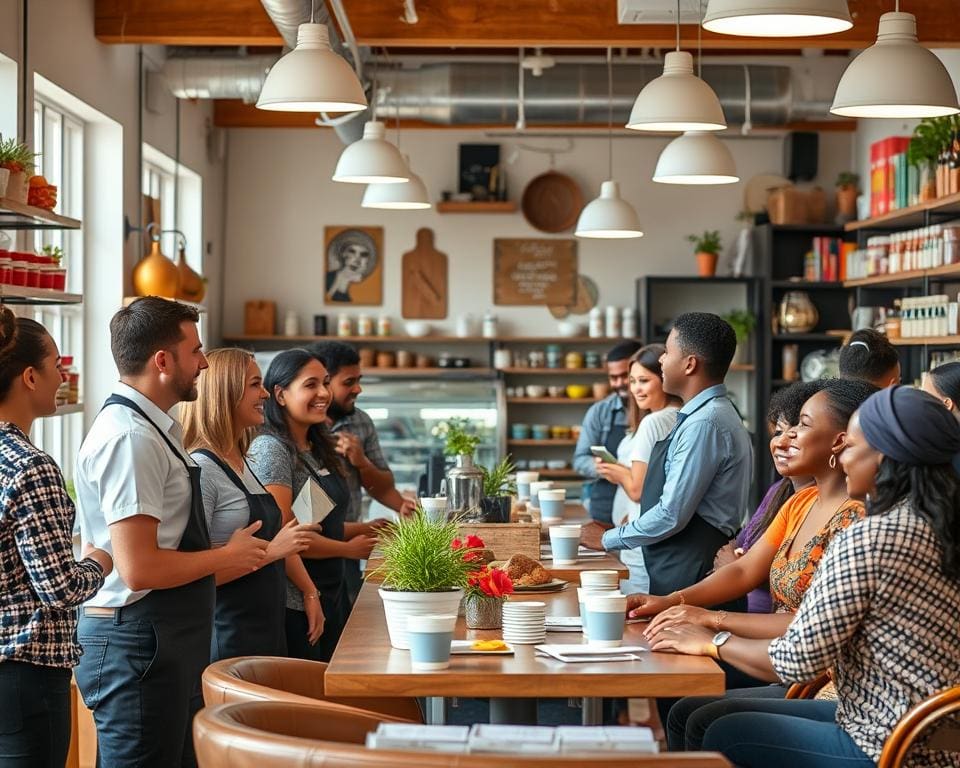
743,322
930,138
498,487
423,572
707,248
848,184
17,159
465,480
487,588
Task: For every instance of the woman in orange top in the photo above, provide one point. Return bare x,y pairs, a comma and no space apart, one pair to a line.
792,546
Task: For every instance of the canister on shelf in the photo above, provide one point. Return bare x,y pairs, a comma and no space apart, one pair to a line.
502,358
344,325
790,353
612,327
554,359
628,327
573,360
384,326
291,324
592,359
596,323
489,326
364,325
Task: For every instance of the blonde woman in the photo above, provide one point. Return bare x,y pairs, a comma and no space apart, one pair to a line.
218,426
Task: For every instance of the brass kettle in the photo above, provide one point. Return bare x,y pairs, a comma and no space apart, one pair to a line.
156,275
192,286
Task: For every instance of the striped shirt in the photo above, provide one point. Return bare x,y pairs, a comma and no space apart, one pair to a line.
880,612
40,582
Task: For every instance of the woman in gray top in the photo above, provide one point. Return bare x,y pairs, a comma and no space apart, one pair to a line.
295,448
249,619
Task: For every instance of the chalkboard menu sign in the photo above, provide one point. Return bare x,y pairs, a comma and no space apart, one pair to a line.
477,162
534,272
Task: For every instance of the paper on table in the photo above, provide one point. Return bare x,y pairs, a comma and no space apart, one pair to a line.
312,504
587,652
546,554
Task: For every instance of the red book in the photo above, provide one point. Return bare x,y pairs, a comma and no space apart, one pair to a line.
876,180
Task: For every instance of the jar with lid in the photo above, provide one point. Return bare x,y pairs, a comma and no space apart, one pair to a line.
344,325
628,326
489,326
554,356
596,323
612,326
573,360
291,325
384,326
364,325
70,386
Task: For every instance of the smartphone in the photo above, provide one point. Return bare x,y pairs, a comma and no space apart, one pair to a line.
602,453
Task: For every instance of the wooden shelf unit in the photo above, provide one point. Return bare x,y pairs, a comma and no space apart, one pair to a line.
556,371
477,206
247,338
412,373
911,216
552,400
18,294
549,443
15,215
907,277
927,341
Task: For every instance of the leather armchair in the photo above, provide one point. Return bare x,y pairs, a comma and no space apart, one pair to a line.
283,735
296,681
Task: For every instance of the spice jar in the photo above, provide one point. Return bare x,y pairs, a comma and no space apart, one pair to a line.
344,325
386,359
384,326
573,360
364,325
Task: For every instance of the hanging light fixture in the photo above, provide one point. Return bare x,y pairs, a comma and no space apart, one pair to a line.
609,216
678,100
411,195
373,159
777,18
896,76
696,157
311,77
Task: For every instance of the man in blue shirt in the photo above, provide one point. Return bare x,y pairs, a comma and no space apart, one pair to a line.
698,478
605,423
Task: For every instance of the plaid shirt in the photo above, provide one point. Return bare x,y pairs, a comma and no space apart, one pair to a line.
360,424
40,582
881,613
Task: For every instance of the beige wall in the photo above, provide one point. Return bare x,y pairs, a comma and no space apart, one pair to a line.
280,199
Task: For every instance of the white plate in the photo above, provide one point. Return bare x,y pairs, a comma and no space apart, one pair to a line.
459,647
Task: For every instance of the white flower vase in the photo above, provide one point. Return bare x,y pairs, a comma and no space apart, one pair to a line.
397,606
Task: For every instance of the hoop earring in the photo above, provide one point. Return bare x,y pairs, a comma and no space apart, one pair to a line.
832,463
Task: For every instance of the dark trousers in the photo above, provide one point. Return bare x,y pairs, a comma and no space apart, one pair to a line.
786,734
352,581
334,615
690,717
733,679
34,715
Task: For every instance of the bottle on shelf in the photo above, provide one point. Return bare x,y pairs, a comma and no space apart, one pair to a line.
291,325
612,326
629,323
489,326
596,323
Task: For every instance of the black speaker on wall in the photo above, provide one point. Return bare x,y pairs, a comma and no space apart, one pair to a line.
800,152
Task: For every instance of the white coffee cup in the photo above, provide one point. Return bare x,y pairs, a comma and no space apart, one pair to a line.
430,639
552,501
523,483
435,508
608,580
606,618
535,488
565,543
582,593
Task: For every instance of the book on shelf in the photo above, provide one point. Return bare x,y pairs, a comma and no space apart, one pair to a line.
894,183
826,261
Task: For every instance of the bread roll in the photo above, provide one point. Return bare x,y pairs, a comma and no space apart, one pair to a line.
526,572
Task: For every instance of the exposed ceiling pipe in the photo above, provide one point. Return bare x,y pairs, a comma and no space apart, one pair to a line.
216,77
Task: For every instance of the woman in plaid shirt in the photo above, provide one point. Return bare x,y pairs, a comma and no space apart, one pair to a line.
881,612
40,582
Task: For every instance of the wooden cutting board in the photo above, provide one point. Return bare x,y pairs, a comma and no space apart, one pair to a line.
424,280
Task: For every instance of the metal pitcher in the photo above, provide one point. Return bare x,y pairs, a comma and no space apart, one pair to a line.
464,490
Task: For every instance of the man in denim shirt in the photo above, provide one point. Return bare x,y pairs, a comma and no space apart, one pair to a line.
605,424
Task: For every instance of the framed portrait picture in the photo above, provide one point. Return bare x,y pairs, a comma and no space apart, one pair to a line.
354,265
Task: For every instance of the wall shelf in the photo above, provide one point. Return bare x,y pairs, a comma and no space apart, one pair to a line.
807,285
911,216
790,337
559,474
17,294
361,339
905,278
552,400
15,215
477,206
556,371
412,373
927,341
541,443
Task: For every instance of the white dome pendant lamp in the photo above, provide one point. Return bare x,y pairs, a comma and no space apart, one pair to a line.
609,216
411,195
696,157
777,18
311,77
896,77
678,100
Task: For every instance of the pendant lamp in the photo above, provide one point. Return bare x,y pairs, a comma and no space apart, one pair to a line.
372,160
409,196
312,78
896,77
609,216
696,157
777,18
678,100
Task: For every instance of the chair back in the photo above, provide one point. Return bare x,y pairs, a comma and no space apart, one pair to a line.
807,690
296,681
915,722
283,735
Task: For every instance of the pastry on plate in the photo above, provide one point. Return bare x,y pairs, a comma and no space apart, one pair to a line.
526,572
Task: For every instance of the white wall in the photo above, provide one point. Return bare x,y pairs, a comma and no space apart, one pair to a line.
280,199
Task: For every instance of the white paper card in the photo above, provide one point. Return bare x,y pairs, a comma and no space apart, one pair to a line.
312,504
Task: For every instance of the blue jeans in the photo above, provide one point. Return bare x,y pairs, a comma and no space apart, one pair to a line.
690,717
34,715
785,734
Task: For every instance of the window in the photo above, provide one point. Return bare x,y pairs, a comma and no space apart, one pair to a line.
58,137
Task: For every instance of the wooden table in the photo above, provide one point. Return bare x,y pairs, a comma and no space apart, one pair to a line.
571,573
365,664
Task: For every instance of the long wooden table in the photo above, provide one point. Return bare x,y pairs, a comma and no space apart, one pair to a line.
365,664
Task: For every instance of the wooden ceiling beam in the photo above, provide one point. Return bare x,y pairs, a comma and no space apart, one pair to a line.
184,22
233,113
593,23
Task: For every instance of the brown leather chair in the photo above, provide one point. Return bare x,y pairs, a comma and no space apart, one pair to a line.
281,735
916,721
807,690
296,681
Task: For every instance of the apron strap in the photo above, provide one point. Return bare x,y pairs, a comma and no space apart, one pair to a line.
227,469
128,403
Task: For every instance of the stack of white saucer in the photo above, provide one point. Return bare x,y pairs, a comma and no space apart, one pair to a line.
525,622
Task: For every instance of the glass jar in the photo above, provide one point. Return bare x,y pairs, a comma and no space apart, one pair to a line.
384,326
798,314
344,325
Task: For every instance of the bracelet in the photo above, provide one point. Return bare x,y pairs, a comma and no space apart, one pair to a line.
718,618
313,596
679,593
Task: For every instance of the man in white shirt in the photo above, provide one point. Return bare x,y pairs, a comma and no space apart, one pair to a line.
146,634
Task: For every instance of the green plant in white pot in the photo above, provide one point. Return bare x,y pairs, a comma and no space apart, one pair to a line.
424,571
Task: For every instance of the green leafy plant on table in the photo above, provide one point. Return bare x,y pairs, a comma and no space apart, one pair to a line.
497,481
459,441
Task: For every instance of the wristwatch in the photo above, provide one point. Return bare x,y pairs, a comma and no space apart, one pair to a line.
712,648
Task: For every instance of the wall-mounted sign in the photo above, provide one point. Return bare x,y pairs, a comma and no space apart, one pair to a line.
530,272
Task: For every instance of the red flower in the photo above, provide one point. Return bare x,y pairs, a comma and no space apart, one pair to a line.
490,582
471,542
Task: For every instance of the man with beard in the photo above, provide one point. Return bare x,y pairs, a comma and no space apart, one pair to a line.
146,633
358,443
605,423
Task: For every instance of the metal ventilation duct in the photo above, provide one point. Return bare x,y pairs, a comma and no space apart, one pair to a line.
217,77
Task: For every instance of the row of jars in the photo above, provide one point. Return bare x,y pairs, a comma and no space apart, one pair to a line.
29,270
551,357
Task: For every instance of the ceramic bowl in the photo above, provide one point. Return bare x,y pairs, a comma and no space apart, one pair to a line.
569,328
555,391
556,464
520,431
540,432
536,390
578,391
416,328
